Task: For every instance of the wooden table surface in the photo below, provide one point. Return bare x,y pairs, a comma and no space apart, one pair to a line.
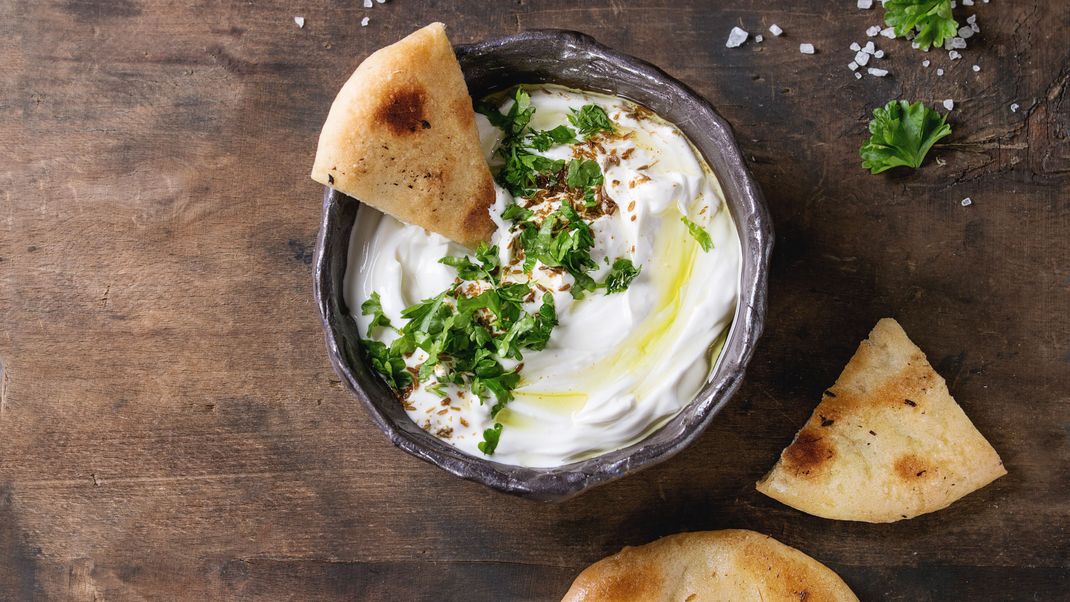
170,427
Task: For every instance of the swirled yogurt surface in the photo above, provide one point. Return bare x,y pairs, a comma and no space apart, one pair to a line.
617,365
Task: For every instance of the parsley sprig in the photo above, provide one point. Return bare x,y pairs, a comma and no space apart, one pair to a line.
901,134
698,233
931,20
590,119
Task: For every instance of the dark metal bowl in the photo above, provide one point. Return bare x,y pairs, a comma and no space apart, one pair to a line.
575,60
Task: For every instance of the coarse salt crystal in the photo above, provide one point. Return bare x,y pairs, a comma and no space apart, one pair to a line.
855,46
775,29
954,55
949,104
858,75
940,72
862,58
888,32
758,39
965,32
954,4
958,43
381,1
300,21
971,19
976,68
925,63
967,2
806,48
974,27
877,72
879,54
364,22
1014,107
736,38
853,66
966,202
869,48
865,4
368,3
872,31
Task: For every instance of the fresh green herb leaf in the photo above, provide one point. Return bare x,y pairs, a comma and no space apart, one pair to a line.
931,18
516,213
621,275
590,119
437,389
388,363
901,134
583,173
374,307
522,169
486,269
490,439
699,234
547,139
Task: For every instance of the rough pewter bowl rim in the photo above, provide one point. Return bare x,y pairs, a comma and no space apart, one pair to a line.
708,131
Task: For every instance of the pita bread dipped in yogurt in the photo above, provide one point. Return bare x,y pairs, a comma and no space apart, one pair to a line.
594,312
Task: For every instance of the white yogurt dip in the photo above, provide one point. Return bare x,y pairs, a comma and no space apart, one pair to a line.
616,366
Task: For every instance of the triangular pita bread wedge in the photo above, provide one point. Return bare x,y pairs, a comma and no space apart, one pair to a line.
887,441
401,137
709,566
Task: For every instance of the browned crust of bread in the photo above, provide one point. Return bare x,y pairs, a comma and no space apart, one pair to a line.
709,566
401,137
887,441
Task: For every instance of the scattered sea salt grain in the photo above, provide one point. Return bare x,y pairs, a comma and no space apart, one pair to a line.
949,104
862,58
869,48
300,21
855,46
364,22
758,39
976,68
879,54
806,48
966,202
1014,107
925,63
736,38
872,31
775,29
965,32
865,4
877,72
956,42
967,2
853,66
888,32
940,72
971,19
858,75
367,3
954,55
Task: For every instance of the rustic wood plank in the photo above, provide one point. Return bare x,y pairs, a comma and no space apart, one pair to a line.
169,425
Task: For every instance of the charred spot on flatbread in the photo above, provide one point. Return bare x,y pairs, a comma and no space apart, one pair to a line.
808,454
403,111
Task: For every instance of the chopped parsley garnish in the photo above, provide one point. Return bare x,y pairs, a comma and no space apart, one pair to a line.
515,212
583,173
590,119
389,363
931,19
563,240
621,275
547,139
490,439
486,269
699,234
901,134
374,307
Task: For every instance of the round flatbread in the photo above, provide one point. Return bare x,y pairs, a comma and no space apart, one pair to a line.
709,566
887,442
401,136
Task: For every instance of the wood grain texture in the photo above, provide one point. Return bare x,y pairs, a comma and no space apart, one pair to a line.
170,427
